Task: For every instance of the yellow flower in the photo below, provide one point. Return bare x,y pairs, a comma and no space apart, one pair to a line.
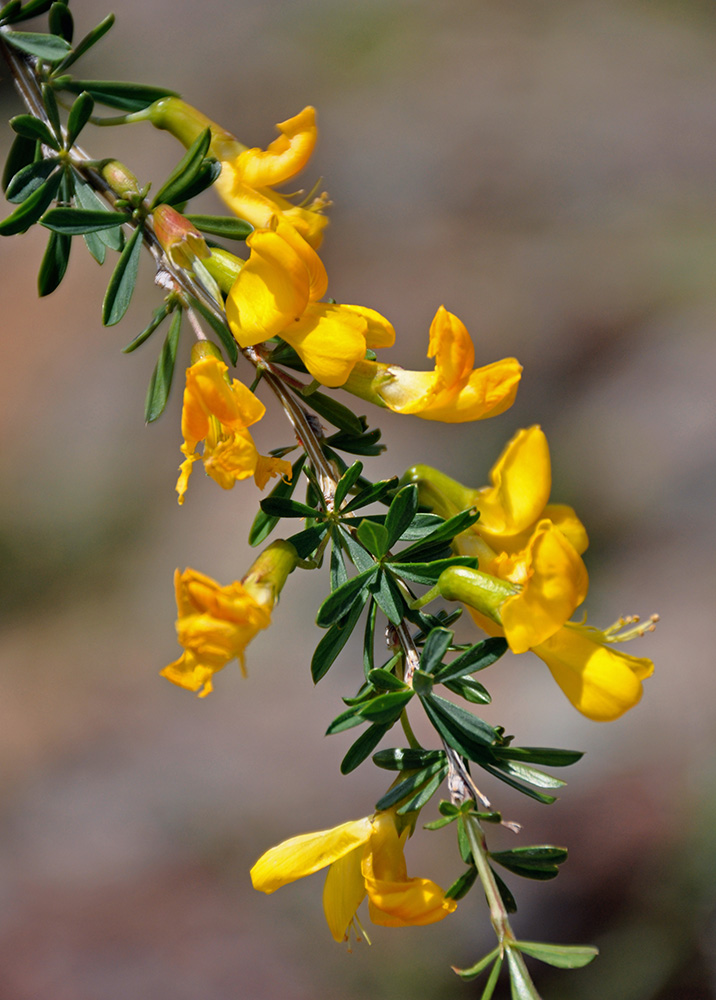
248,175
276,293
454,392
215,624
218,412
365,858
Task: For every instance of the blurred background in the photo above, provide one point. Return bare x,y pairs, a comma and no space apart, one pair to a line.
547,170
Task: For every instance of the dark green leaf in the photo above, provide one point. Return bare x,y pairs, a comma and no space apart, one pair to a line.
470,690
222,225
79,116
535,856
119,94
90,39
30,127
306,542
386,708
35,7
388,597
220,329
50,48
158,318
397,759
346,720
88,200
95,246
372,494
60,21
205,177
428,572
76,221
333,411
121,284
401,513
462,730
54,263
563,956
29,179
422,526
368,638
361,559
335,639
462,885
373,537
21,155
530,774
161,381
339,603
384,680
513,783
477,657
521,986
32,208
286,507
51,110
436,646
547,756
265,523
508,899
9,11
185,171
422,683
347,482
363,747
338,568
358,444
442,534
476,970
423,795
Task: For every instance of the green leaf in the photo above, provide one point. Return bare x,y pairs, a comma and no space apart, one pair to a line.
50,48
30,127
95,246
436,646
76,221
88,200
158,318
335,639
397,759
369,638
386,708
121,284
220,329
172,190
384,680
462,885
373,537
470,690
477,657
333,411
422,526
346,720
21,155
54,263
388,597
537,862
427,572
86,43
563,956
509,901
337,604
286,507
118,94
492,980
222,225
546,800
523,772
363,747
462,730
371,494
401,513
357,444
361,559
35,7
205,177
521,986
547,756
442,534
61,22
422,683
26,214
161,381
10,11
338,568
306,542
79,115
265,523
424,794
475,970
347,482
52,111
27,180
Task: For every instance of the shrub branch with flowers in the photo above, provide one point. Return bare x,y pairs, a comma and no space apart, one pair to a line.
405,555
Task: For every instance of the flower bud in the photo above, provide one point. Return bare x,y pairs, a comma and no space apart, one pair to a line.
181,241
120,179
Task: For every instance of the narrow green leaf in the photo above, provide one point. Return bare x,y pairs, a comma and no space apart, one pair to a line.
371,494
423,795
88,200
386,708
521,986
384,680
119,94
458,720
333,411
185,171
307,541
363,747
532,793
388,597
220,329
54,263
79,116
506,896
491,983
35,7
21,155
60,21
547,756
121,284
86,43
477,657
77,221
436,646
52,111
29,179
50,48
346,720
222,225
286,507
444,533
347,482
397,759
161,381
422,526
369,638
335,639
10,11
95,246
534,856
361,559
338,572
157,319
30,127
462,885
357,444
428,572
26,214
563,956
474,971
401,513
205,177
523,772
265,523
373,537
470,690
337,604
422,683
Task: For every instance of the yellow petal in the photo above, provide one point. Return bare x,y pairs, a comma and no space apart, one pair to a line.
307,853
564,518
317,277
489,392
521,483
330,340
555,584
343,893
186,672
452,348
412,903
378,331
267,467
601,682
285,156
232,459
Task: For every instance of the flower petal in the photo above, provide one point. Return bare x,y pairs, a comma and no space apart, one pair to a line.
330,340
343,893
521,483
285,156
412,903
